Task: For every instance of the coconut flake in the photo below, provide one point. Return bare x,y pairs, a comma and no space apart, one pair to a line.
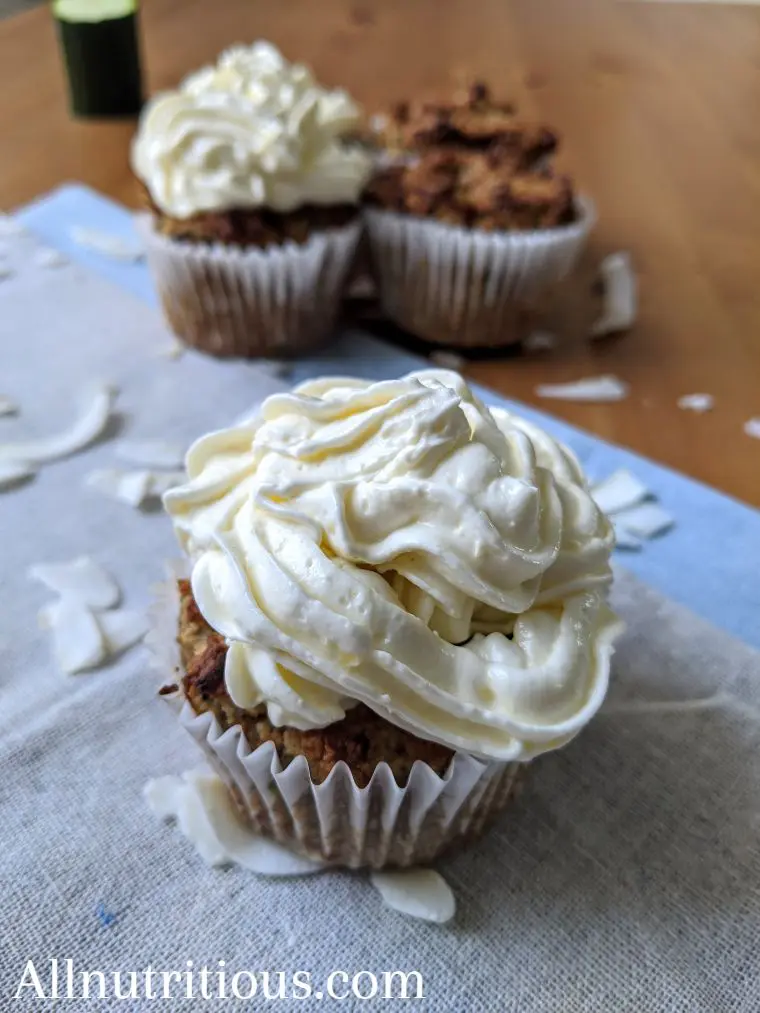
620,491
122,629
448,360
624,539
752,427
540,341
130,487
13,472
593,388
78,643
85,430
133,487
82,580
107,244
244,847
46,257
152,453
164,481
420,893
7,406
205,813
620,296
696,402
645,521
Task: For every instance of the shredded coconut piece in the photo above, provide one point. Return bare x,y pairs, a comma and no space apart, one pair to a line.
107,244
624,539
421,893
164,481
206,815
14,472
752,427
131,487
84,431
619,491
121,629
620,295
593,388
696,402
82,580
46,257
645,521
152,453
78,643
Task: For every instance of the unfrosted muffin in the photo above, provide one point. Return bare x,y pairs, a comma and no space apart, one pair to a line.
470,228
252,195
397,600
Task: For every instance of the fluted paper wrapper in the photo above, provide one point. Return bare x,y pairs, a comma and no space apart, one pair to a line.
469,288
233,301
336,821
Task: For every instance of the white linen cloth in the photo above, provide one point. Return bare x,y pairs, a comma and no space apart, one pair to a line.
626,876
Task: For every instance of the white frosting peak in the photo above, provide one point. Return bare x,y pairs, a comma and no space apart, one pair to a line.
400,544
251,131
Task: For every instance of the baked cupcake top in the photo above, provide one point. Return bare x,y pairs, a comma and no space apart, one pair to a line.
470,162
474,120
252,131
402,545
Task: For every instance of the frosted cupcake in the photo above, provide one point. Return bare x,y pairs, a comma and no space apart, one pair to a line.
397,600
470,228
253,198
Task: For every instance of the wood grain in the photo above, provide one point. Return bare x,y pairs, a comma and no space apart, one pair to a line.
657,106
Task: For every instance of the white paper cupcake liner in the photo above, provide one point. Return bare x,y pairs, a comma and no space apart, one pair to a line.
235,301
468,288
336,821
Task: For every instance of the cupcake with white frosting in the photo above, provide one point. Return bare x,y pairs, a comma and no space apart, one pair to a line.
253,198
398,598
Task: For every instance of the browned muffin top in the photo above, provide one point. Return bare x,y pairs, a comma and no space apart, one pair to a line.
474,189
362,739
471,162
475,121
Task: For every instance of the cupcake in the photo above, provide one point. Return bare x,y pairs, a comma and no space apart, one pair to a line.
398,598
470,229
252,198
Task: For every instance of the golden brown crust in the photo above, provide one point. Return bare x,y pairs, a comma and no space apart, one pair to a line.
474,190
475,121
250,227
471,162
362,739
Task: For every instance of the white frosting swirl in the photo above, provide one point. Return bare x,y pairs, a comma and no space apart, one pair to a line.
251,131
400,544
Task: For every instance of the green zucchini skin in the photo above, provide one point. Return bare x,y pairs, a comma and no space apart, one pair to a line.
103,66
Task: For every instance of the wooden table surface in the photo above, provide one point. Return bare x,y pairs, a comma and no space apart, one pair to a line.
657,105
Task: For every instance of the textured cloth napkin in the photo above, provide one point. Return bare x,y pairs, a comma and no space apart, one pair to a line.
625,877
